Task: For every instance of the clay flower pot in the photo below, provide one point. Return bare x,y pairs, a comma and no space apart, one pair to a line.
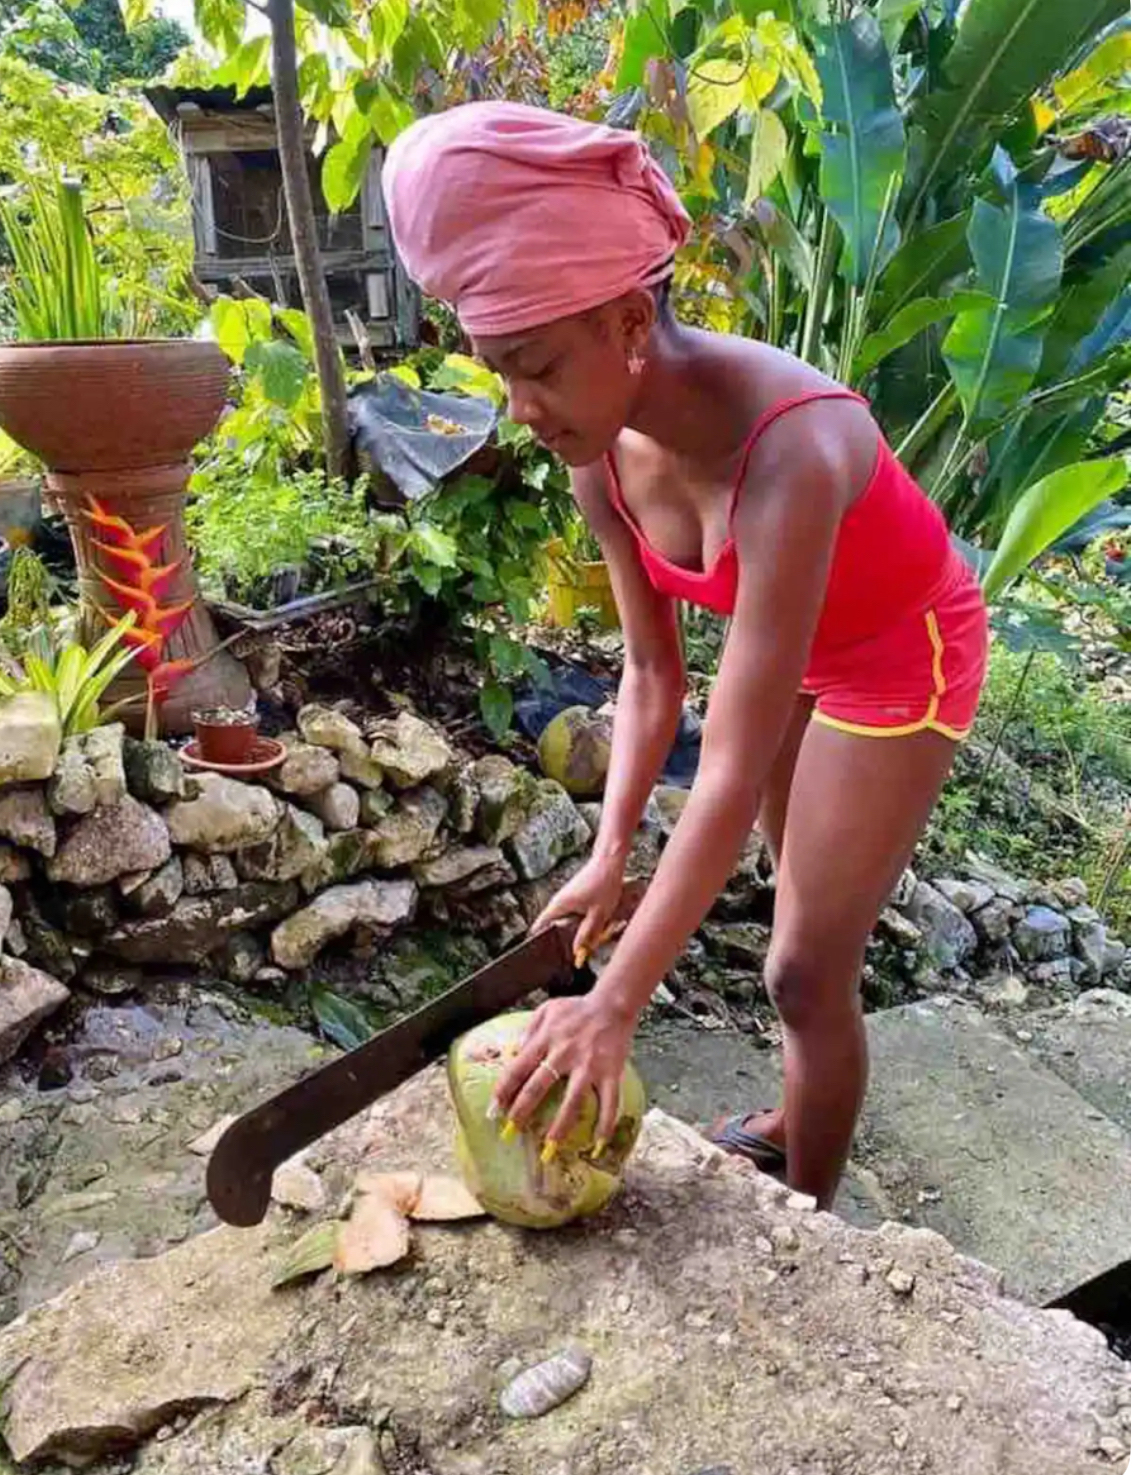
225,734
114,422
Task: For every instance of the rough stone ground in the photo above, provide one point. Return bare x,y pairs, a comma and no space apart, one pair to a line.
101,1169
1007,1134
732,1329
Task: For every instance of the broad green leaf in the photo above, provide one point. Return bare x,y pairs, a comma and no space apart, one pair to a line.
497,707
1046,509
1036,443
458,371
340,1020
389,114
246,67
407,375
865,153
298,325
221,22
924,263
1004,51
716,89
315,92
231,327
344,164
136,11
1080,308
893,17
434,545
1105,67
282,369
768,149
904,325
329,12
643,39
1114,328
394,14
993,353
506,655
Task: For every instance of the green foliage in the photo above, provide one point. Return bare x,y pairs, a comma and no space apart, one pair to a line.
74,676
56,286
132,180
88,43
248,522
910,223
31,590
1046,510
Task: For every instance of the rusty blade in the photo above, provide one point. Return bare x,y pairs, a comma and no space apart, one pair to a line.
243,1161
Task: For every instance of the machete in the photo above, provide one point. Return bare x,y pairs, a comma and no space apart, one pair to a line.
243,1162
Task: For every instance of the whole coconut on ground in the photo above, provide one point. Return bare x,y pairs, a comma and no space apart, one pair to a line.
508,1178
574,749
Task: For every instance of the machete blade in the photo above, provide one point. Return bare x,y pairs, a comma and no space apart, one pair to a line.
243,1162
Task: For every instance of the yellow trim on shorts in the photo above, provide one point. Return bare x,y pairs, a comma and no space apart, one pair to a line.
928,722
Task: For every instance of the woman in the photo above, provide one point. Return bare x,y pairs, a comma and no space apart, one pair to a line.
723,472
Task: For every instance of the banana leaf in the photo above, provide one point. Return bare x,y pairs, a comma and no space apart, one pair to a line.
1046,510
1003,53
993,354
862,146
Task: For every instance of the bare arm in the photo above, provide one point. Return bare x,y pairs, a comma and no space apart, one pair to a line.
785,531
651,691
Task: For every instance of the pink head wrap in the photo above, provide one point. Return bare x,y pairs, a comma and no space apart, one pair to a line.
519,216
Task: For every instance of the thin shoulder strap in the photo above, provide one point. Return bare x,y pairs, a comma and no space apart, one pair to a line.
613,486
767,419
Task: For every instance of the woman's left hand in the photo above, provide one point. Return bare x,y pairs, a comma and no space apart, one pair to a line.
585,1043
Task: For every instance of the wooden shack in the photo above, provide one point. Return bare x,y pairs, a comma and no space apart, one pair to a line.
240,225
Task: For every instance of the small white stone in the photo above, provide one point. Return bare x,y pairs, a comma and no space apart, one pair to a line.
900,1438
623,1303
80,1243
785,1238
900,1281
434,1316
297,1187
802,1203
955,1402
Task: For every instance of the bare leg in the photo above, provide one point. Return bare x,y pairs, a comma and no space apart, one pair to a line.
856,808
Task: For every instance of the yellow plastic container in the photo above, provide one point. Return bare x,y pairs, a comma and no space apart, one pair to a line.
572,585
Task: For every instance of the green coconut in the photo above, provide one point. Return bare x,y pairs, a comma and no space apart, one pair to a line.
574,749
508,1178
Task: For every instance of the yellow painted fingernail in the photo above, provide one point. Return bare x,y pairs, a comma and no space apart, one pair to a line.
549,1152
508,1131
580,956
599,1147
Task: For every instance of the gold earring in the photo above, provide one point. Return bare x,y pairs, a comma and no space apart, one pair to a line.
636,363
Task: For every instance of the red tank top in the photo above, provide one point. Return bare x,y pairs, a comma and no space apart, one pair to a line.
891,555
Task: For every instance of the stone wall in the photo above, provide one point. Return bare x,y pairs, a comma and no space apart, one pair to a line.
114,859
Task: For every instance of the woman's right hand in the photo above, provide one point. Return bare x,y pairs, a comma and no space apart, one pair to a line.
592,894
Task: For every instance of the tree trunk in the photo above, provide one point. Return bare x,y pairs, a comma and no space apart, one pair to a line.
304,234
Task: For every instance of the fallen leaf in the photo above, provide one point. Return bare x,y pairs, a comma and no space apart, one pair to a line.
374,1235
445,1198
401,1189
297,1187
204,1144
312,1251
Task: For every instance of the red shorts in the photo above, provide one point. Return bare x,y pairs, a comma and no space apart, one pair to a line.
923,673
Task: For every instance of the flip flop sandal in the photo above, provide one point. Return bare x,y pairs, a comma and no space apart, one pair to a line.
766,1155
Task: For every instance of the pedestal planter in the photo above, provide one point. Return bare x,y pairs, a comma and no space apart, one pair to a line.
115,422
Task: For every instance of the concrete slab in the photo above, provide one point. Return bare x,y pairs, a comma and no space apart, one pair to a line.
1086,1043
964,1130
699,1075
972,1136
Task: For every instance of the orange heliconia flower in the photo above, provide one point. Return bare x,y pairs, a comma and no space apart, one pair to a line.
140,583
